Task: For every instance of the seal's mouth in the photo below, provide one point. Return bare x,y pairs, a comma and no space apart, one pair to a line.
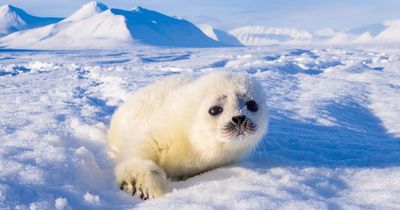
231,130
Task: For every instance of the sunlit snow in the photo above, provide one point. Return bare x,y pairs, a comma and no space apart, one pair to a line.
333,142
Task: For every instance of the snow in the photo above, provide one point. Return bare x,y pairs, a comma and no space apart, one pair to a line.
391,34
111,29
326,32
92,199
61,203
259,36
15,19
387,32
87,10
333,141
219,35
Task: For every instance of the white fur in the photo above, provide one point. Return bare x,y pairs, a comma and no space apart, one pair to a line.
164,130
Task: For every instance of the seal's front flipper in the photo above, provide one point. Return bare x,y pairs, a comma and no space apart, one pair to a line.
141,177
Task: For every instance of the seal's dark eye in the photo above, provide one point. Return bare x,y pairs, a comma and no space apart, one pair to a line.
252,106
215,110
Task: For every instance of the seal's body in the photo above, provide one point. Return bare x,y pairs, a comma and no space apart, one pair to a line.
181,126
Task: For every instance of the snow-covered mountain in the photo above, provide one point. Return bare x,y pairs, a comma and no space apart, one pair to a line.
258,36
94,26
324,34
391,33
219,35
372,29
15,19
379,33
363,34
87,10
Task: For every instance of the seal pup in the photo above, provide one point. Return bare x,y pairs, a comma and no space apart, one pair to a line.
181,126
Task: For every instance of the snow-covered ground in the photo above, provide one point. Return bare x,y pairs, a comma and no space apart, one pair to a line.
334,138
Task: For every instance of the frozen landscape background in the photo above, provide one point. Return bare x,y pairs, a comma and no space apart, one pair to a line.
334,99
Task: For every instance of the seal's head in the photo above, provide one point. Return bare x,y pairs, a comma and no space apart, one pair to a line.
231,114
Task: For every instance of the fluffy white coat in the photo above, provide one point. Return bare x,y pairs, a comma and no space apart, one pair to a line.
164,130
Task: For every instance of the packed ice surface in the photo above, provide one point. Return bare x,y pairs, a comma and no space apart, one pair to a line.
333,141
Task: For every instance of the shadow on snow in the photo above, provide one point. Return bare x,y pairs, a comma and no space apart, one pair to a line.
358,140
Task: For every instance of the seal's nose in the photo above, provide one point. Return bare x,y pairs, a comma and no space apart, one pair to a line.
238,119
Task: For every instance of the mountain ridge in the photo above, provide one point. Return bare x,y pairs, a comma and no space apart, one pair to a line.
14,19
95,26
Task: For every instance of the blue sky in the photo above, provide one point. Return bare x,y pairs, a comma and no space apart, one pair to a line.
229,14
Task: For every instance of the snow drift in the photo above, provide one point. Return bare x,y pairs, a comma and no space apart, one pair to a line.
95,26
15,19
